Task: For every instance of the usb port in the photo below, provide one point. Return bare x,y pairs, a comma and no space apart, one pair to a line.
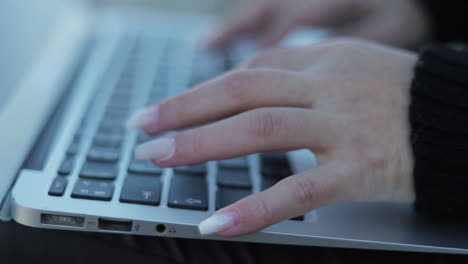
115,225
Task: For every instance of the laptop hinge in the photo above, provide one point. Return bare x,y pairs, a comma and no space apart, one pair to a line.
5,208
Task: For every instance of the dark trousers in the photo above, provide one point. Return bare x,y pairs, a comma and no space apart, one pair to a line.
19,244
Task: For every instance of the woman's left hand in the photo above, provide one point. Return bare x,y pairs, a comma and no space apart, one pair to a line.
346,100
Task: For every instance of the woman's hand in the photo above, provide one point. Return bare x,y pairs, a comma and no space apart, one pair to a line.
346,100
397,22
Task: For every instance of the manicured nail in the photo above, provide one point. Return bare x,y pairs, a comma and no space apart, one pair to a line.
218,223
144,119
160,149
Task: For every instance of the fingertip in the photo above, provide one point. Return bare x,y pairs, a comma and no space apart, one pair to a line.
275,33
133,122
219,222
145,119
158,150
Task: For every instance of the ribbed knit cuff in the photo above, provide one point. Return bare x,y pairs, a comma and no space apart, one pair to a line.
448,19
439,136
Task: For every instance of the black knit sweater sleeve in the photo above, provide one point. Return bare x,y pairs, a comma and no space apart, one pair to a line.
439,136
448,19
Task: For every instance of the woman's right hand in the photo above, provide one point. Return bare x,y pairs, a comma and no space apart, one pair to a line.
397,22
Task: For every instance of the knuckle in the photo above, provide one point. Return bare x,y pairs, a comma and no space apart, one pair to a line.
176,106
305,190
264,124
264,58
257,61
237,86
197,142
262,210
343,44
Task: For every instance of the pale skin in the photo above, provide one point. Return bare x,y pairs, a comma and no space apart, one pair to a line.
346,100
401,23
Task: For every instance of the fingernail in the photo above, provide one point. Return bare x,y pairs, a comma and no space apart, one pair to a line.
144,119
160,149
218,223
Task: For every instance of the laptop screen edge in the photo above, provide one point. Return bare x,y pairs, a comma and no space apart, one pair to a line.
21,120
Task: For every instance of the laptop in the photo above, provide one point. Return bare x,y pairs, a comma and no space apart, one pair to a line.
70,76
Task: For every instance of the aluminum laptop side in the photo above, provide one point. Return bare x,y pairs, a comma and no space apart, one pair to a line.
350,225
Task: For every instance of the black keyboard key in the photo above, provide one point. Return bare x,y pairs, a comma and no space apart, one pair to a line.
268,182
228,196
298,218
198,169
73,148
108,140
236,163
144,167
188,192
58,186
97,170
103,154
115,116
93,190
115,130
141,189
66,167
234,178
112,124
275,165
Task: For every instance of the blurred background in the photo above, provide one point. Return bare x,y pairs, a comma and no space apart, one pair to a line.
210,6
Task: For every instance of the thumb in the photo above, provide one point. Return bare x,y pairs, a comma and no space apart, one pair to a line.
293,196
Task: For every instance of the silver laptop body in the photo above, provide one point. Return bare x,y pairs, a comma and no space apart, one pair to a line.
64,64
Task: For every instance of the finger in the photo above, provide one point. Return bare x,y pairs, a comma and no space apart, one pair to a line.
260,130
225,96
288,58
247,19
293,196
376,29
276,31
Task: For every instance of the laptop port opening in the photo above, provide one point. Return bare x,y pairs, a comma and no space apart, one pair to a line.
62,220
115,225
160,228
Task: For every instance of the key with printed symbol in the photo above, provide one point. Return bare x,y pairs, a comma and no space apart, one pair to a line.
188,192
141,189
93,190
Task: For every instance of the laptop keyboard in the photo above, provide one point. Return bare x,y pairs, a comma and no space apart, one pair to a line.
101,150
